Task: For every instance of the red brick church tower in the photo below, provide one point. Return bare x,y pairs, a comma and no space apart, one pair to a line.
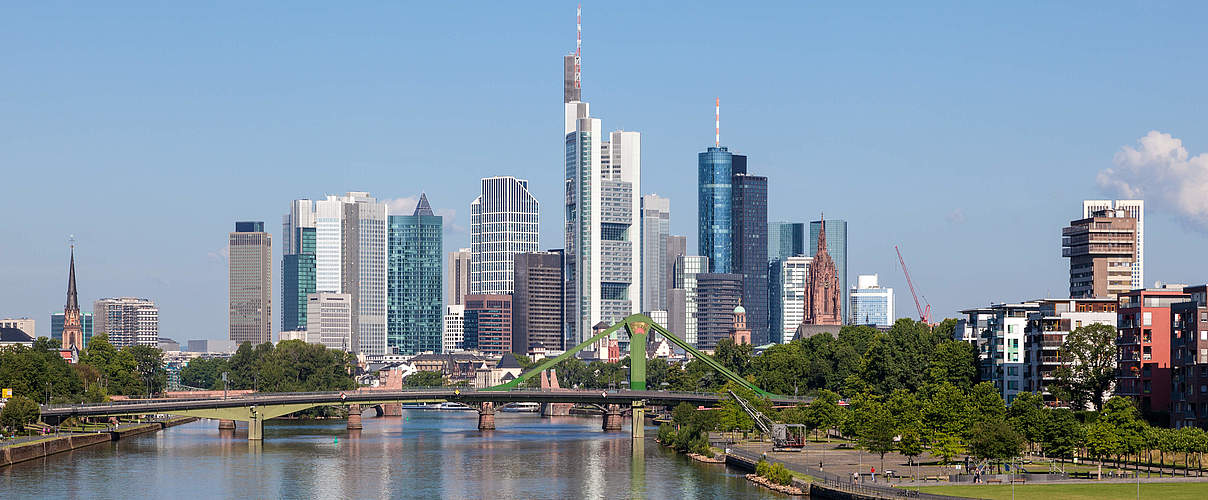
73,332
823,305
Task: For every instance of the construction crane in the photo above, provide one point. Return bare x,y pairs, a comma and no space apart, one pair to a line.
924,313
785,437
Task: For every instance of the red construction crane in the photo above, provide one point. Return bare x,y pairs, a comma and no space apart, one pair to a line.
924,313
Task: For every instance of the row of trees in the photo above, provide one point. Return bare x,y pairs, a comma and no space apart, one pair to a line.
40,374
289,366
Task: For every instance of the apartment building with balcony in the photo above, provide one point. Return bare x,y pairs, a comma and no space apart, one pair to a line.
1102,250
1143,347
1047,330
1002,344
1189,363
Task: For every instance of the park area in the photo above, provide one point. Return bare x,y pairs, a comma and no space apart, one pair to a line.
1090,490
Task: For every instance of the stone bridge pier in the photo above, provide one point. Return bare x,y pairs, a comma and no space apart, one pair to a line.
486,416
354,417
612,417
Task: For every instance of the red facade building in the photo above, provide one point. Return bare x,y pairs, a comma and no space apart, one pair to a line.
1143,344
823,305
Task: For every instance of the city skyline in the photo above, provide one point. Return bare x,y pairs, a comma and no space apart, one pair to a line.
954,147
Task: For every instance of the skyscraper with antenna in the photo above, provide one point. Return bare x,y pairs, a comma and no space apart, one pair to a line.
602,194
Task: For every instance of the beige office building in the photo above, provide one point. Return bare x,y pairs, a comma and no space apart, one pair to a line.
251,284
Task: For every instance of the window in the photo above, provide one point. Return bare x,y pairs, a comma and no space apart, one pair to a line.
1147,319
1203,334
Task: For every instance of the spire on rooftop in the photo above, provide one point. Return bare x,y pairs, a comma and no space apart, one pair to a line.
423,208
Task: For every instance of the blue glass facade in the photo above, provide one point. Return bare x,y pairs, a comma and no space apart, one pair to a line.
836,246
749,221
715,171
414,270
297,280
786,239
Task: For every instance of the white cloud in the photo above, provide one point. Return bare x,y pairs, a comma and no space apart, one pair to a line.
402,206
221,255
1161,173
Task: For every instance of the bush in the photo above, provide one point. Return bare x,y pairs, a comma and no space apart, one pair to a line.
18,412
780,474
761,468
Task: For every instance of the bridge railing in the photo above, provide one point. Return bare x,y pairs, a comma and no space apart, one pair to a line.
844,482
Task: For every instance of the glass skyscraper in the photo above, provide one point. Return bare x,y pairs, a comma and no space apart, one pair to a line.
716,168
297,279
414,262
786,239
749,221
836,246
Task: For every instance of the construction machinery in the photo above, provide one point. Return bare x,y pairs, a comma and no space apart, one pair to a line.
785,437
924,313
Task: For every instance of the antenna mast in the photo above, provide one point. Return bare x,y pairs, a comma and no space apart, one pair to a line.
578,43
717,123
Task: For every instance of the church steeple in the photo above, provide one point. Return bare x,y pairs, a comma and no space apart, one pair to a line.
821,234
73,302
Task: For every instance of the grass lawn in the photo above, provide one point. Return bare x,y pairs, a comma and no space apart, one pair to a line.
1086,491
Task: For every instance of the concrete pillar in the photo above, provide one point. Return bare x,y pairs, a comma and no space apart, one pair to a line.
392,410
556,409
638,424
486,416
255,428
226,425
354,417
612,417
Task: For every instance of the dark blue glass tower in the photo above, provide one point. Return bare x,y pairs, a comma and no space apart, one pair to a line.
716,168
298,280
749,223
414,270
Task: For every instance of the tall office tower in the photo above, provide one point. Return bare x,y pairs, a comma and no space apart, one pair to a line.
251,284
297,279
298,260
457,284
786,239
453,334
503,223
1102,250
716,168
1136,210
824,289
717,294
329,320
836,247
537,302
749,222
871,304
786,296
363,270
682,303
56,326
73,328
127,321
676,247
656,229
413,310
488,323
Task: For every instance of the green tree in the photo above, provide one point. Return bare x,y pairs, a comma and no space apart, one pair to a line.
945,410
204,373
995,440
735,357
876,428
425,379
1091,353
1101,441
1122,415
824,412
18,412
1027,416
985,405
946,446
1061,435
954,362
149,365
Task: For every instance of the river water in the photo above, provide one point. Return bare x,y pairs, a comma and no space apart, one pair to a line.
423,454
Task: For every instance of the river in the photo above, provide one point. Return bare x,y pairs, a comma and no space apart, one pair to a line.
423,454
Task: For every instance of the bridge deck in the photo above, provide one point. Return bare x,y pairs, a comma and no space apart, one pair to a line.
151,406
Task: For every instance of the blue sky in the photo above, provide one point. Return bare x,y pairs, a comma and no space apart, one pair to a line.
967,133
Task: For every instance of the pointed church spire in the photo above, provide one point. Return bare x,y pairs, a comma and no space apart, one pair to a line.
73,302
821,234
423,208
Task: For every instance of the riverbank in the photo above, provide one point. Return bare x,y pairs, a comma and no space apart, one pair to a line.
30,450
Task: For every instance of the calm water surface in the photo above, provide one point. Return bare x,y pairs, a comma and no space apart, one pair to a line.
423,454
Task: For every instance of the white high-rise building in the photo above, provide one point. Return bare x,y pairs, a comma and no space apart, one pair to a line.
329,320
794,274
454,335
504,221
127,321
350,258
1136,210
871,304
656,228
